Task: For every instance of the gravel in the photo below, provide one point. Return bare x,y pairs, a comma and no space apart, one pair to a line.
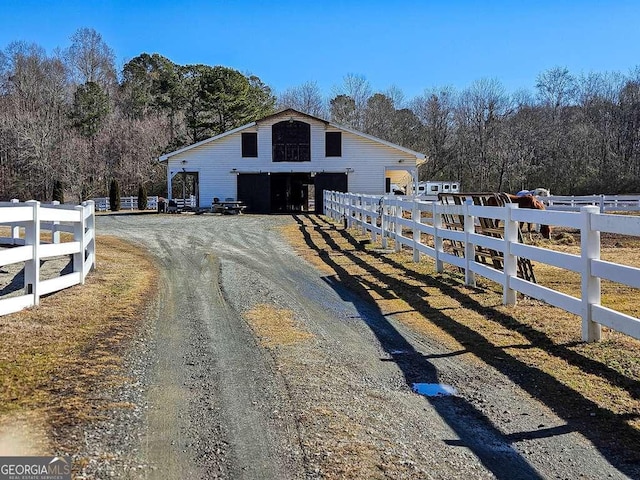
212,402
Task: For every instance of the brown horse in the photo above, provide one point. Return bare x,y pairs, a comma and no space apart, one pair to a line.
529,201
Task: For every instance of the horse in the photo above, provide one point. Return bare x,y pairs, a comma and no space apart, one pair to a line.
529,201
523,201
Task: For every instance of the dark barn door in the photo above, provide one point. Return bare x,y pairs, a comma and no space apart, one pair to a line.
254,189
289,192
328,181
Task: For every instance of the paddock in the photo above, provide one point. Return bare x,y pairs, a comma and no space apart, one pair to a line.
384,218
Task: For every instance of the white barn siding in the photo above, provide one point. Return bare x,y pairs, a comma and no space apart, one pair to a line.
214,161
369,162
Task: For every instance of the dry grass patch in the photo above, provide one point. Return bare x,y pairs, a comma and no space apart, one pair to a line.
275,326
57,359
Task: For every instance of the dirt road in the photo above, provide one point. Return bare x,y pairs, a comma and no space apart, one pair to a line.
263,367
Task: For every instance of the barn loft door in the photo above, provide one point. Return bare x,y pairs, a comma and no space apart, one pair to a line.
328,181
254,189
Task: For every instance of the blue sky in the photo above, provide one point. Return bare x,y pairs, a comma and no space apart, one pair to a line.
413,45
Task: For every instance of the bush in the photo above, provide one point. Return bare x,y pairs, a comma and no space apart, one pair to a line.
114,196
142,198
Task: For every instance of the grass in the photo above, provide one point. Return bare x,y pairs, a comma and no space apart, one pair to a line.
275,326
537,345
58,359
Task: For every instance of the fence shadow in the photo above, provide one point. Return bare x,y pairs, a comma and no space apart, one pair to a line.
610,433
60,267
15,284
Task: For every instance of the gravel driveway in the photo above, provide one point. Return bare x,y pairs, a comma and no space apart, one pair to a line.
336,404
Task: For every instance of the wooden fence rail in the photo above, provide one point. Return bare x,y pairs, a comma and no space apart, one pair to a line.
386,217
26,222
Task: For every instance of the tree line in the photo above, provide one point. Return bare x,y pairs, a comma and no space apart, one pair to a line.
575,134
71,121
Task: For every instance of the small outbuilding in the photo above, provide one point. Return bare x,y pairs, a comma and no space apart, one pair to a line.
284,162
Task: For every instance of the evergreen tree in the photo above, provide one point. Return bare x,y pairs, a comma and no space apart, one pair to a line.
58,191
142,198
114,196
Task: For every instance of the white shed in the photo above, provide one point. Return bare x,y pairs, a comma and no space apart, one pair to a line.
283,163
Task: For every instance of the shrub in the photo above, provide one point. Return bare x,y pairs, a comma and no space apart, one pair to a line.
142,198
58,192
114,196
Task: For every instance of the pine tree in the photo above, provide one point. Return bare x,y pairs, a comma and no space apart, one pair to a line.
58,192
114,196
142,198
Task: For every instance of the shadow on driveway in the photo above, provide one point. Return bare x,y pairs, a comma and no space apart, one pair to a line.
618,442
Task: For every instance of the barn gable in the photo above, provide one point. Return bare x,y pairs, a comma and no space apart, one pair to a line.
298,153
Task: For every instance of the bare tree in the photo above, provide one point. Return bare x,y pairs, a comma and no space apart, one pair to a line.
305,98
396,95
479,113
357,88
91,59
33,116
435,109
556,88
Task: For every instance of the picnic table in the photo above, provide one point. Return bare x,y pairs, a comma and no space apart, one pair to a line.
229,207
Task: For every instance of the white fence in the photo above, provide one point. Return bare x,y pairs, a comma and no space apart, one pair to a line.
126,203
606,203
182,203
31,218
384,216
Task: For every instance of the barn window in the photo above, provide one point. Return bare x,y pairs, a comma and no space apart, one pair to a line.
250,144
333,144
291,141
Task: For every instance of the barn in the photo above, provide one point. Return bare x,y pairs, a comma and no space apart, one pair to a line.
282,163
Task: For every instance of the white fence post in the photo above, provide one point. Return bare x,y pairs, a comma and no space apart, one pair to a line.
437,239
373,219
55,233
78,236
32,267
384,210
509,296
469,247
362,215
416,219
15,230
398,225
332,205
325,202
91,226
590,250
